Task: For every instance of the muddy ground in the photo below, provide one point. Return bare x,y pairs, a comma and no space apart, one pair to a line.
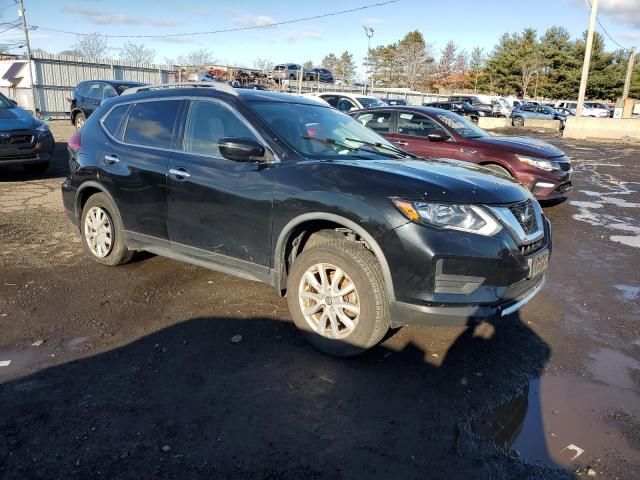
129,372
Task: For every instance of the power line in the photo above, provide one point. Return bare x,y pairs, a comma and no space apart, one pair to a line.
607,33
8,6
10,28
228,30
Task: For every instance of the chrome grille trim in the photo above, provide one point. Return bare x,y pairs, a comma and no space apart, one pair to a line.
508,219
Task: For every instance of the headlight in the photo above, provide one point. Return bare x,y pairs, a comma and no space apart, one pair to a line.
540,163
43,130
467,218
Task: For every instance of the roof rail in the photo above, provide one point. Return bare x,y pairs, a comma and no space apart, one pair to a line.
220,86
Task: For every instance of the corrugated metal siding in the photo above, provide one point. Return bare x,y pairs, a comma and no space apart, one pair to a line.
57,76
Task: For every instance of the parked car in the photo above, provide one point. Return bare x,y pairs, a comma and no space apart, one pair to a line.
346,102
24,139
565,112
483,106
430,132
88,95
318,74
285,71
461,108
539,112
359,235
589,109
599,109
394,101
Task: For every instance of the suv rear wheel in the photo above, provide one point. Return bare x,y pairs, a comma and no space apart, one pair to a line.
102,232
337,298
79,120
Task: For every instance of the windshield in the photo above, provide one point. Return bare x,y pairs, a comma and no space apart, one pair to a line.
461,125
548,110
122,88
5,102
370,102
307,127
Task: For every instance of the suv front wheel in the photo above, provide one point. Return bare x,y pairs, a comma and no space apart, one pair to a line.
337,298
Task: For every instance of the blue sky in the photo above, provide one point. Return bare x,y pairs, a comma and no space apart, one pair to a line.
469,23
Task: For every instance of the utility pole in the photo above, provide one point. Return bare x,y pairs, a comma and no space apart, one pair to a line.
29,57
627,81
587,58
369,33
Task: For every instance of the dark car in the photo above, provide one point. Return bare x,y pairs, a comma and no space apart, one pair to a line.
484,109
88,95
539,112
461,108
359,235
318,74
24,140
394,101
429,132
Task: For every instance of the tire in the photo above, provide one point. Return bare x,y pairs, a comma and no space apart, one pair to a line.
79,120
36,167
106,216
518,122
498,168
360,270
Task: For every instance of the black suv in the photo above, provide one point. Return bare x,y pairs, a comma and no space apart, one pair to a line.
461,108
281,189
88,95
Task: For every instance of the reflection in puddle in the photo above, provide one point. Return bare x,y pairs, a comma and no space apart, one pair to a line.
562,421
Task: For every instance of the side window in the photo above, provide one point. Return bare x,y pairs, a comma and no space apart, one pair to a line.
112,121
528,108
417,125
151,123
109,91
331,100
208,123
346,105
376,121
93,90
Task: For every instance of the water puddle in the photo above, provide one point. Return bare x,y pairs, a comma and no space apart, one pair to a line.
564,421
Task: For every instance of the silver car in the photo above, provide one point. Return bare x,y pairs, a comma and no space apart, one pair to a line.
285,71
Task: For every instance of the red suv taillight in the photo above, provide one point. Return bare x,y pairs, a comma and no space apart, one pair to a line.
75,142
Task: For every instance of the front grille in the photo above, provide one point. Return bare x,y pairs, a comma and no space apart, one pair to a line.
16,139
525,214
565,187
565,166
531,248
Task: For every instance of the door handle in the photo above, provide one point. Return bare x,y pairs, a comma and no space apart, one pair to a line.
400,142
179,173
111,159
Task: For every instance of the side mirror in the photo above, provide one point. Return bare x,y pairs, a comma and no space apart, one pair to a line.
438,137
15,104
240,149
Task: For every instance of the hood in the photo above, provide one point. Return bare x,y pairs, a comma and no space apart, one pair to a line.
443,180
524,146
16,119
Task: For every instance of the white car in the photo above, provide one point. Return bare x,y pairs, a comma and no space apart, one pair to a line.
346,102
589,109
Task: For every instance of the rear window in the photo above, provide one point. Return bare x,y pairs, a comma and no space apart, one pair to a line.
112,121
151,123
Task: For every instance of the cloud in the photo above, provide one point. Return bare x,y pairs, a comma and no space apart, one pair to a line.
373,21
630,36
99,17
623,11
254,21
305,34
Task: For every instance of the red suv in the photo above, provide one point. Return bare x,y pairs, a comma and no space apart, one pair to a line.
433,132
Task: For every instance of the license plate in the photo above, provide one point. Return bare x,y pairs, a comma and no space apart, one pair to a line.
538,264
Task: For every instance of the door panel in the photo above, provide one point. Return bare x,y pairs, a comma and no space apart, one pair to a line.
222,206
412,135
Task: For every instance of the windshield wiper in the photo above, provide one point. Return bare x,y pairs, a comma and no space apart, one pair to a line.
389,148
331,141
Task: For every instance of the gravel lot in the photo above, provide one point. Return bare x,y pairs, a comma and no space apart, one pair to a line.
130,372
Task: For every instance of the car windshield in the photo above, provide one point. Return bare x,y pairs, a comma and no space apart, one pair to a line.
122,88
5,102
461,125
548,110
370,102
306,128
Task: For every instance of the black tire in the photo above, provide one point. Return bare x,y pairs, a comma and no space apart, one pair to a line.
498,168
362,268
79,120
118,253
518,122
36,167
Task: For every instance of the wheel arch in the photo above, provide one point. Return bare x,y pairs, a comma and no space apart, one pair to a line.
287,236
86,190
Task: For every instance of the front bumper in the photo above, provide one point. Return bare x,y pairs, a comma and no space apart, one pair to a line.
449,278
545,185
39,150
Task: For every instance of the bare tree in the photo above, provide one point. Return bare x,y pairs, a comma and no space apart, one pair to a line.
308,64
414,57
530,66
476,65
137,53
197,58
263,64
91,46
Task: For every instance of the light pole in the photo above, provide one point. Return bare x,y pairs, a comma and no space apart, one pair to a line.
369,33
29,57
587,58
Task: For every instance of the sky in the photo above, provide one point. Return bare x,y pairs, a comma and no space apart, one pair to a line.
469,23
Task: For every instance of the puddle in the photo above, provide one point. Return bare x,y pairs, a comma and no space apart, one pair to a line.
563,421
613,368
629,292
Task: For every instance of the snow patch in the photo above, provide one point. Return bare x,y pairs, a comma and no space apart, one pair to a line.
627,240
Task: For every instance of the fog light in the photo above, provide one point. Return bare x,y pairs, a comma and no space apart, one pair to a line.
456,284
